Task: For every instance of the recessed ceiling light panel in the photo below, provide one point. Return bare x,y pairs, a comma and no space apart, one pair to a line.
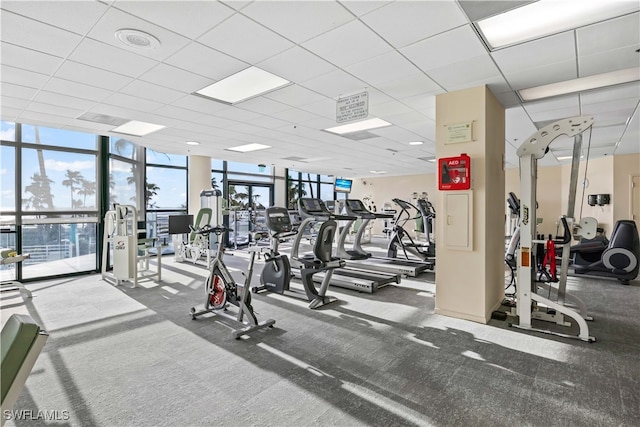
582,84
359,126
243,85
248,147
545,17
416,143
137,39
192,143
136,128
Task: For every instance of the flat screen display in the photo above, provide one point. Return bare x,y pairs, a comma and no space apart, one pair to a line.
179,224
343,185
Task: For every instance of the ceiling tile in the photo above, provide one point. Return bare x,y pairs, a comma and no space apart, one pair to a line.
295,96
189,18
297,65
22,77
29,59
131,102
383,68
55,110
63,100
542,75
92,76
445,49
298,20
203,60
79,90
609,35
410,85
17,91
359,7
110,58
75,16
245,39
611,93
419,20
617,59
175,78
357,43
40,37
546,51
152,92
335,84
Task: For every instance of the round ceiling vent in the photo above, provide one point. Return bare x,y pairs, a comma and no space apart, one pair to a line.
137,39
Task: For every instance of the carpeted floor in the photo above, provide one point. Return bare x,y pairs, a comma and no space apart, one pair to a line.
119,356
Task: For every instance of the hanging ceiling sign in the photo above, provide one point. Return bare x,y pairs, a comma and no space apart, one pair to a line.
354,107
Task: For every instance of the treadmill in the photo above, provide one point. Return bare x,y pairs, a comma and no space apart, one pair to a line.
313,211
361,259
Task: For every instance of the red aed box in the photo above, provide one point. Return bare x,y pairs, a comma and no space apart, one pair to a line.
455,173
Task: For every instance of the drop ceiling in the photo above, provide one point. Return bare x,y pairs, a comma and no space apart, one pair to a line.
64,67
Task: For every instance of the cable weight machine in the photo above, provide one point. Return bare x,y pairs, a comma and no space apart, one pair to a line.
530,305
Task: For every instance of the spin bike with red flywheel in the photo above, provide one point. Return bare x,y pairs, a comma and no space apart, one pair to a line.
221,290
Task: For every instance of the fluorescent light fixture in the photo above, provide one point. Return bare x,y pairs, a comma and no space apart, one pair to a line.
416,143
578,85
192,143
546,17
137,128
567,157
248,147
243,85
378,172
359,126
431,160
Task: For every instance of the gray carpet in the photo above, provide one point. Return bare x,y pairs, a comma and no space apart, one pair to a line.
119,356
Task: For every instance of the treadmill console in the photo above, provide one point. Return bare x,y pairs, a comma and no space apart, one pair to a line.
312,206
356,206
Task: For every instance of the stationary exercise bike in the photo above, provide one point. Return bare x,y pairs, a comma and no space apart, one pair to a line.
221,289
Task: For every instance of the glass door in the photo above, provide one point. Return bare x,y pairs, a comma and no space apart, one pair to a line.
247,203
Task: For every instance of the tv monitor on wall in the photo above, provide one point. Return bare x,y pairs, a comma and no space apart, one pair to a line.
342,185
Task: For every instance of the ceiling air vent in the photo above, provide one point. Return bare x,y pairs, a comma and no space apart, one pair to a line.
361,135
102,118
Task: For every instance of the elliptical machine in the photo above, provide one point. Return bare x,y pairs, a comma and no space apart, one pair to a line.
400,239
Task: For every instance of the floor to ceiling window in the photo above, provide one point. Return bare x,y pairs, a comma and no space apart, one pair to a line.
55,173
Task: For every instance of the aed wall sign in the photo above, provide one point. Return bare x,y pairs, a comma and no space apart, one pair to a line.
354,107
455,173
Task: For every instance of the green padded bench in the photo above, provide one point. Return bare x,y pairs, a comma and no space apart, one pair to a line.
21,342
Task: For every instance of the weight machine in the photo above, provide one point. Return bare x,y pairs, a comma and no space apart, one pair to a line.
530,304
131,248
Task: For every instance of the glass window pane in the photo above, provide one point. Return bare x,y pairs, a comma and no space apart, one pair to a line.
59,248
57,180
248,168
8,131
59,137
216,180
158,158
326,178
124,181
123,148
217,165
8,240
326,191
166,188
8,178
